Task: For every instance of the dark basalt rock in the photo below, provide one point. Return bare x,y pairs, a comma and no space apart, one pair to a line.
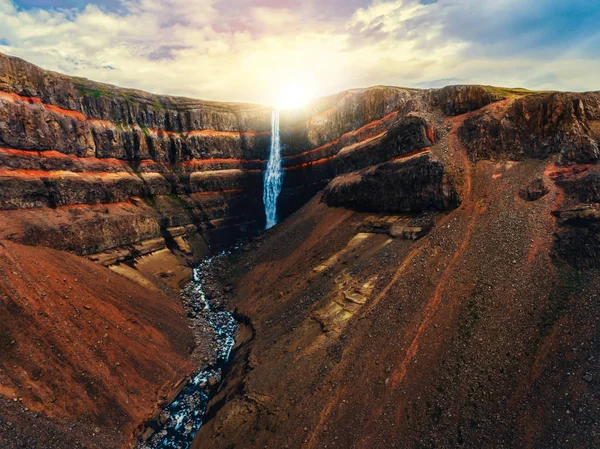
578,239
535,126
535,190
456,100
586,187
579,151
408,185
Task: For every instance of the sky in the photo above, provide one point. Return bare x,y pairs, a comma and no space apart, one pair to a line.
260,50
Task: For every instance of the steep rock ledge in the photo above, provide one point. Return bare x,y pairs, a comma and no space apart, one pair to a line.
409,184
537,125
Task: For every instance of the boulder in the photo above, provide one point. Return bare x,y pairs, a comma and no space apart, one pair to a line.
535,190
412,184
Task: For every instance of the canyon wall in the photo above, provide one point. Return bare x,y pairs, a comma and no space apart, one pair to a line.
162,167
115,173
100,170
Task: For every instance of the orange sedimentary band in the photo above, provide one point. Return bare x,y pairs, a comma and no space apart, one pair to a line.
58,155
119,162
35,174
311,163
412,153
213,133
13,98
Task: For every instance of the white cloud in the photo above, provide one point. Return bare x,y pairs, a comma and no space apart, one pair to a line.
190,48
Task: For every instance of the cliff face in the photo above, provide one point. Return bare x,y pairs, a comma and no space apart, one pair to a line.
167,167
537,126
67,143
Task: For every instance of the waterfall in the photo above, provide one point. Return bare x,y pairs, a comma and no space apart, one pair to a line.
274,174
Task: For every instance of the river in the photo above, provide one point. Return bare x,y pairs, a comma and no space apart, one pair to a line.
179,422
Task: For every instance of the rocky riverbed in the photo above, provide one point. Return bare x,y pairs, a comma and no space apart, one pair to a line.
178,423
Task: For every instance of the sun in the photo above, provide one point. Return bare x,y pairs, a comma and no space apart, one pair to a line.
292,95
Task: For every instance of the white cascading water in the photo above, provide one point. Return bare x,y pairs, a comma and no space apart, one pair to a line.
274,174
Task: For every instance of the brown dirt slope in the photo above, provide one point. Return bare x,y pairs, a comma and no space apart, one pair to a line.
84,347
473,336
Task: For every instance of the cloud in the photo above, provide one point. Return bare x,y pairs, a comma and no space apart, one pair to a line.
244,50
532,28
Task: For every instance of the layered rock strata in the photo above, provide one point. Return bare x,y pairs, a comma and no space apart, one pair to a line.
68,145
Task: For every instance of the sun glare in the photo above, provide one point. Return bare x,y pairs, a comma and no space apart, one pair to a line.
291,96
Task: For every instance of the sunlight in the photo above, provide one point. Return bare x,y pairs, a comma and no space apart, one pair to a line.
292,95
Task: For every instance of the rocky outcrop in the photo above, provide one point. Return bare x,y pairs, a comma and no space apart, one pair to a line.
456,100
409,184
578,238
535,190
583,184
536,125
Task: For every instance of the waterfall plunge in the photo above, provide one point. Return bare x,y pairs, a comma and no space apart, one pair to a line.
274,174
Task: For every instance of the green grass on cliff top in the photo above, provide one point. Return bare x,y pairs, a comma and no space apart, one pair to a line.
511,91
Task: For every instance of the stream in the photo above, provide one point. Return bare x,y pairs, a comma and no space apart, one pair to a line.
179,422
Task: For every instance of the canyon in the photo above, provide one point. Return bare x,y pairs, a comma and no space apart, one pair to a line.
433,281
